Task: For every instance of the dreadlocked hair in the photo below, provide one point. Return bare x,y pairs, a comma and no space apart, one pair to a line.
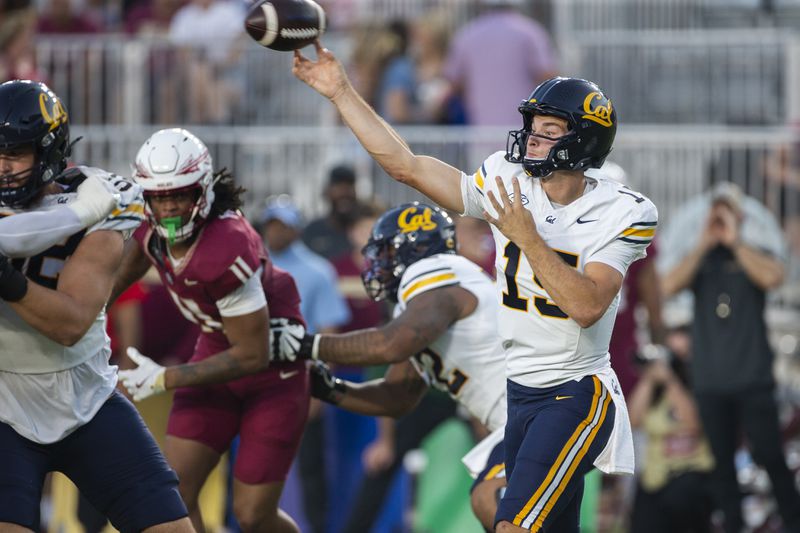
227,195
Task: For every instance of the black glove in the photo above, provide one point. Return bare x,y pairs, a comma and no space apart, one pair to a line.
324,385
289,340
13,285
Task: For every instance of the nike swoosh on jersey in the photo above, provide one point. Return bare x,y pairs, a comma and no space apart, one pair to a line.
563,397
287,375
579,221
189,282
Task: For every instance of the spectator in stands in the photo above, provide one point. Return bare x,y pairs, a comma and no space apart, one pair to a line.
385,73
430,41
321,304
500,44
62,16
104,14
151,18
673,493
729,266
327,235
211,32
17,32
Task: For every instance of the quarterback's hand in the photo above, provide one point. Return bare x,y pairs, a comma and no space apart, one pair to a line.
325,75
513,219
324,385
290,342
97,197
146,379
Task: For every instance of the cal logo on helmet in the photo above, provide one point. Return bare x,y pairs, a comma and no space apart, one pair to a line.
53,112
411,220
597,111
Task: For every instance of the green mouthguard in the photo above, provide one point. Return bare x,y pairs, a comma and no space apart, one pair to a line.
171,224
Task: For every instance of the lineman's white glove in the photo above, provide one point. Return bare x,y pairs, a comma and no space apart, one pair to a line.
145,380
97,197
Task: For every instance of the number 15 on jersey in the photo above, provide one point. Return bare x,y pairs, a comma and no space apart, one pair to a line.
512,298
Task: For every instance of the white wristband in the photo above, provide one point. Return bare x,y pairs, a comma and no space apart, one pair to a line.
315,347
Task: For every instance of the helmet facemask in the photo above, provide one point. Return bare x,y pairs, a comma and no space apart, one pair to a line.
381,277
559,156
172,228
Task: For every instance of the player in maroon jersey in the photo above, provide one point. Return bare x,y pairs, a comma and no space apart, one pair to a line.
216,270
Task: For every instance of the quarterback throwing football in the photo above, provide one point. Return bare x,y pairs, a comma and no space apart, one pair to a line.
564,242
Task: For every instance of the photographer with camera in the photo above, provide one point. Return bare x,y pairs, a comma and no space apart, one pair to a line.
729,266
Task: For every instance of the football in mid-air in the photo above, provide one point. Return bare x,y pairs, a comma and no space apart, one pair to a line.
285,24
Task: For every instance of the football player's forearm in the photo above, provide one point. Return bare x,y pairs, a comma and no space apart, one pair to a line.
379,398
379,139
398,340
54,314
220,368
434,178
359,348
28,234
573,292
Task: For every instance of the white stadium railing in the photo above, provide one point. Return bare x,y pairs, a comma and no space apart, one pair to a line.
671,165
703,77
593,15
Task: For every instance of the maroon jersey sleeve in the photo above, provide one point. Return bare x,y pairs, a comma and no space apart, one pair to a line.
232,253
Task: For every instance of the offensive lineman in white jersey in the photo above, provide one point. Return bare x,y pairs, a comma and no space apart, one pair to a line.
443,333
60,410
578,236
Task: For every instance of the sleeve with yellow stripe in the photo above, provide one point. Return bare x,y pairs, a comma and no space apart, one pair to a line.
425,275
641,226
639,232
473,188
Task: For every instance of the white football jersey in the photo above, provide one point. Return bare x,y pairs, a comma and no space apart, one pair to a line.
609,224
57,388
466,361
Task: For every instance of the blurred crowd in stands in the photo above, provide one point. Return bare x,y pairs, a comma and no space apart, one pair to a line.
412,72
